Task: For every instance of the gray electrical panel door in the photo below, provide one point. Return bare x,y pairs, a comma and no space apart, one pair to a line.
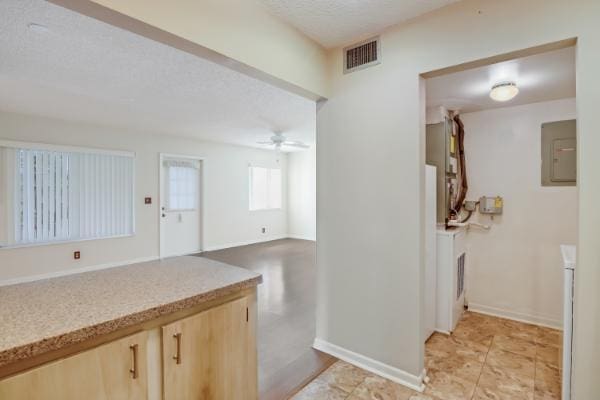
559,153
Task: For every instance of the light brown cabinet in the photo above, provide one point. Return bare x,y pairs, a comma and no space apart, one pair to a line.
114,371
211,355
199,354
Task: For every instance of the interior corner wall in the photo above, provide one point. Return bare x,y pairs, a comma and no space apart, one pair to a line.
369,198
302,201
4,198
240,34
227,219
515,269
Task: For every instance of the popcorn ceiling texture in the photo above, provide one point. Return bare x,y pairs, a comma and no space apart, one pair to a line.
84,70
47,315
335,23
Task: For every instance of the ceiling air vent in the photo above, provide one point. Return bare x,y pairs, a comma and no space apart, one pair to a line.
362,55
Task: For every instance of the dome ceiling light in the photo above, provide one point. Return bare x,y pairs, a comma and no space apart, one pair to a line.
504,91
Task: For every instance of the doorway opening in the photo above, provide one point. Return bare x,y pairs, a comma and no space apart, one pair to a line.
500,204
181,205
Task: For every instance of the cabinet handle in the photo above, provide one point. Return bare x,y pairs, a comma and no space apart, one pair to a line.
134,371
177,356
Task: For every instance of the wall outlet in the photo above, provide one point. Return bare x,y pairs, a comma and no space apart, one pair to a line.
147,200
264,230
77,255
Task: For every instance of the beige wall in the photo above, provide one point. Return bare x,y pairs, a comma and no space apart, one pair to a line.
227,220
302,201
370,194
240,34
515,269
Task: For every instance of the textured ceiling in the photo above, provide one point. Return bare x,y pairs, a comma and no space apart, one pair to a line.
542,77
339,22
85,70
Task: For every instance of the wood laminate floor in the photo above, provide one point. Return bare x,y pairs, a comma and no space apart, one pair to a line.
286,312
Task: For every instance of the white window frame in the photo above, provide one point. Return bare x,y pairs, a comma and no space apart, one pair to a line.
198,168
74,149
250,183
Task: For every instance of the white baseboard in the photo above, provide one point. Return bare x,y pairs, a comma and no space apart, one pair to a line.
245,243
74,271
301,237
517,316
378,368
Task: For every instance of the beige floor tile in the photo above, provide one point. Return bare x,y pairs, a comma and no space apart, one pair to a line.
320,390
547,380
514,345
540,394
377,388
448,387
478,334
500,384
549,336
548,354
461,367
515,363
486,358
421,396
343,376
440,346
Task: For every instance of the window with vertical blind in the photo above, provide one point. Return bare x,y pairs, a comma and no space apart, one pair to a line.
66,195
265,188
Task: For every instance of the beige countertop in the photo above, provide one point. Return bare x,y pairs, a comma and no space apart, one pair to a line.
50,314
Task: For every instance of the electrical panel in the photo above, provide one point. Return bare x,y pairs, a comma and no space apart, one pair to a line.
491,205
559,153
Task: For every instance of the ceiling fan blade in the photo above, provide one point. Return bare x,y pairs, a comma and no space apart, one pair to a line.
265,143
296,144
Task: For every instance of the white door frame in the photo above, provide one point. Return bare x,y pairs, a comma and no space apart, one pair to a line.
202,198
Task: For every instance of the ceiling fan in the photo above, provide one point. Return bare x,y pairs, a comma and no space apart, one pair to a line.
278,140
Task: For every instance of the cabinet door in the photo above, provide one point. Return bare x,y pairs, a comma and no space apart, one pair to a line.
103,373
212,355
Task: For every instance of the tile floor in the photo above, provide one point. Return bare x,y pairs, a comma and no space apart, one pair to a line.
485,358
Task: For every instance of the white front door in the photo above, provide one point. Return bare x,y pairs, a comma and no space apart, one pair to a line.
180,206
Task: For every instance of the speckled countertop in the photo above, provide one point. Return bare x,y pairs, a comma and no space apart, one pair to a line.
50,314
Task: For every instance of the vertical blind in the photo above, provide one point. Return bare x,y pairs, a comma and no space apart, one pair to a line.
265,188
63,196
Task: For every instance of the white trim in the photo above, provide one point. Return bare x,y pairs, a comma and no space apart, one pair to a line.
74,271
245,243
67,241
64,148
386,371
517,316
302,237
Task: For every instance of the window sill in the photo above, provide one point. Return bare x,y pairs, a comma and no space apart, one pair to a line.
58,242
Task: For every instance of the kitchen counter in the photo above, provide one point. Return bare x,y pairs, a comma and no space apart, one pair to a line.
51,314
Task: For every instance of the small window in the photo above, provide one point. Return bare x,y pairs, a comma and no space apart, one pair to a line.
265,188
183,182
65,195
